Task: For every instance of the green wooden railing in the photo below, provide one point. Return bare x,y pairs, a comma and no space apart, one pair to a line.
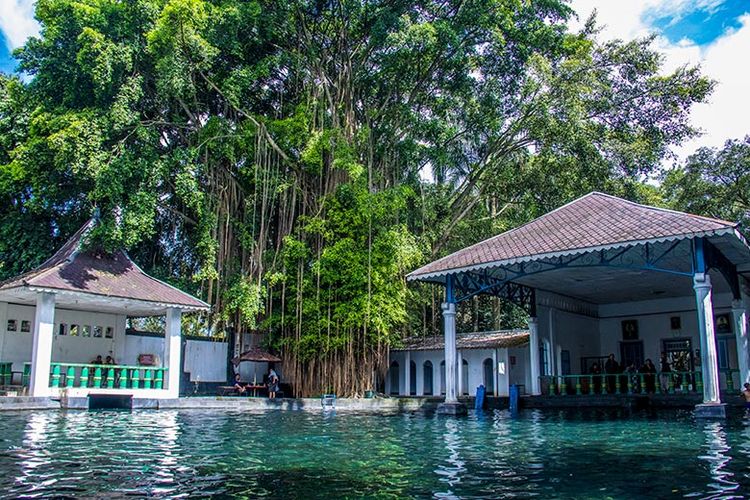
635,383
69,375
5,373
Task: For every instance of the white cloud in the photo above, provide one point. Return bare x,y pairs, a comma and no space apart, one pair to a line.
725,115
17,21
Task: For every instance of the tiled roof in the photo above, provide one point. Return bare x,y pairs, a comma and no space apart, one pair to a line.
256,354
475,340
98,273
592,221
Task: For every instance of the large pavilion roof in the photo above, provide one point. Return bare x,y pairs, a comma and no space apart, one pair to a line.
109,282
589,223
473,340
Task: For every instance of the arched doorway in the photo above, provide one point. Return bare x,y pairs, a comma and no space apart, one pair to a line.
427,378
393,377
464,377
489,376
412,378
442,377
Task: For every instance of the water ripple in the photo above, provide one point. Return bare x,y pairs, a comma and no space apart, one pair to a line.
176,454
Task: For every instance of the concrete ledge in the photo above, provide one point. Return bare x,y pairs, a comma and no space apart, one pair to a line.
383,405
452,409
8,403
710,410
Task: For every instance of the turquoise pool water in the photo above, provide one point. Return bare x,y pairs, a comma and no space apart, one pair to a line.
561,454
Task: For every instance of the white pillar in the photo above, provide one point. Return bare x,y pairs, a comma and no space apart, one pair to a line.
536,389
739,315
503,372
173,351
420,379
552,344
449,324
120,341
3,327
41,354
407,375
460,375
709,359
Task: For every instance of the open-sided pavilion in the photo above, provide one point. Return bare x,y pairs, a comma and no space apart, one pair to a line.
601,273
56,318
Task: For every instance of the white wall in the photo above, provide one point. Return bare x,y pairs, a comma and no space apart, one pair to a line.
203,359
16,346
206,361
653,318
576,333
474,357
519,371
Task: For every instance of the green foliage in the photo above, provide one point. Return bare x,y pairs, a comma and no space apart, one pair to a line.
714,182
268,155
244,298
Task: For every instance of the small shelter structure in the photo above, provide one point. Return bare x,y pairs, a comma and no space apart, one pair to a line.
490,358
58,317
605,275
255,357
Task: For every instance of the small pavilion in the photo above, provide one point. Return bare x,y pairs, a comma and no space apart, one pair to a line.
58,317
605,275
417,368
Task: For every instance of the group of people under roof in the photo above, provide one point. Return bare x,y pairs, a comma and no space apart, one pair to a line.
271,382
99,361
670,374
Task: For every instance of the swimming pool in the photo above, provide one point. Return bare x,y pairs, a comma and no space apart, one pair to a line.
581,454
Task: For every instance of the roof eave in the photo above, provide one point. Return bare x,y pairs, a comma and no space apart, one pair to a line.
430,276
185,307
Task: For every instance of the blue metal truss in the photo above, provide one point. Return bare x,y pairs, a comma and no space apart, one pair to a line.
681,257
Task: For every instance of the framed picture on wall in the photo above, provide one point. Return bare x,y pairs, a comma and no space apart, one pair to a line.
675,323
723,323
630,329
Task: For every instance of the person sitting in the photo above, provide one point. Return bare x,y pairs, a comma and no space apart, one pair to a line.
746,394
109,361
239,386
98,360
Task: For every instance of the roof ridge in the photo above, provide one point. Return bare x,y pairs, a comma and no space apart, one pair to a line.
667,210
509,231
162,282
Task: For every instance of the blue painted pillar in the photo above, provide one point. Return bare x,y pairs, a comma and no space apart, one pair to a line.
705,310
449,328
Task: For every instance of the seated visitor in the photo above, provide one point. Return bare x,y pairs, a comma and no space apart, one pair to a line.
98,360
746,395
109,361
238,384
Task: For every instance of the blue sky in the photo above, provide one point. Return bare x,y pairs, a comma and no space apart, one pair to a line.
7,63
697,22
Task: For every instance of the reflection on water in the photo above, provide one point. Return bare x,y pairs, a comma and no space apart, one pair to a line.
543,454
718,457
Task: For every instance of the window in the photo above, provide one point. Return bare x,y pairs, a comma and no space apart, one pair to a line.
98,331
109,332
73,330
723,351
25,326
62,329
489,375
86,331
565,362
543,358
12,325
